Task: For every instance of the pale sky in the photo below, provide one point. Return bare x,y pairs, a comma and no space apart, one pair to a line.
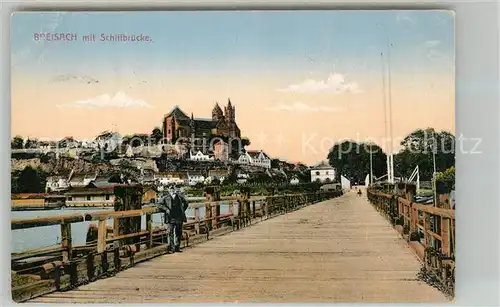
300,81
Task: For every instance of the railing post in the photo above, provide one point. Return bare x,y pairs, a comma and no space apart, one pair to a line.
426,228
452,237
66,242
445,235
231,207
101,235
208,216
197,220
254,213
149,228
215,214
414,218
248,215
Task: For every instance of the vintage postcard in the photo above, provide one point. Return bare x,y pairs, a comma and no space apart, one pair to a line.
233,156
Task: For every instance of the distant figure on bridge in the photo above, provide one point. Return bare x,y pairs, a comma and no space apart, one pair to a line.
359,192
174,205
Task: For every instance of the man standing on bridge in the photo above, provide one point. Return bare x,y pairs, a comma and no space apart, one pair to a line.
174,204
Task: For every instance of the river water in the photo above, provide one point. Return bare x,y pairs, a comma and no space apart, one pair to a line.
38,237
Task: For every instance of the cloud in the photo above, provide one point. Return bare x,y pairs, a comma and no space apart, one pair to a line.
74,79
405,18
301,107
431,50
119,100
335,83
431,43
434,54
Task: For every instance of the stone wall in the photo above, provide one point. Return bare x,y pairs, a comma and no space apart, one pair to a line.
19,165
61,166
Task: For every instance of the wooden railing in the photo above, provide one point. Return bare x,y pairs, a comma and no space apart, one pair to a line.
111,249
425,226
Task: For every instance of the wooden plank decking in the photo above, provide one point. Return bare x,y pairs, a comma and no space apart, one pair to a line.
340,250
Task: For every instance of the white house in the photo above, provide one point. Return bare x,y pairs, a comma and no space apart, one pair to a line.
221,175
255,158
107,141
56,183
199,156
294,180
195,177
322,172
128,151
90,197
244,158
168,179
81,180
242,178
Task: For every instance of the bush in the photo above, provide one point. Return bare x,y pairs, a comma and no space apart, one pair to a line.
400,220
406,229
415,236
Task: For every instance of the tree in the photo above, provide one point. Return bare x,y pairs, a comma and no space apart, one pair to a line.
17,143
32,143
46,158
304,176
14,183
275,163
156,135
353,160
30,181
445,181
418,149
136,142
447,175
245,142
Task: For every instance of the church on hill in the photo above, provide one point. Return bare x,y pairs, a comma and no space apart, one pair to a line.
177,124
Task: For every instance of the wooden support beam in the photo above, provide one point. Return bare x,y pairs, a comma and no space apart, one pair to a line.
215,213
66,242
101,235
426,229
46,221
149,228
197,220
208,215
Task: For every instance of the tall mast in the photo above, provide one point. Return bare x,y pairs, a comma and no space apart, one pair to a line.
384,93
390,111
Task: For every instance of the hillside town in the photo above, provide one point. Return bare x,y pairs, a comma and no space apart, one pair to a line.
71,172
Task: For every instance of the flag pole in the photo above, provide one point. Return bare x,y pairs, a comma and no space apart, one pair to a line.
387,157
390,110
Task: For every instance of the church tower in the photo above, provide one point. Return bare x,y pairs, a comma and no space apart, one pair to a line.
192,126
192,140
230,112
217,113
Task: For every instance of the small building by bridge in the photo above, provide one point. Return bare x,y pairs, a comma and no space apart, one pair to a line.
322,172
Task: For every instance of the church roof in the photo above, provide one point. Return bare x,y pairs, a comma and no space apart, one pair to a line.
322,165
177,112
184,121
202,123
